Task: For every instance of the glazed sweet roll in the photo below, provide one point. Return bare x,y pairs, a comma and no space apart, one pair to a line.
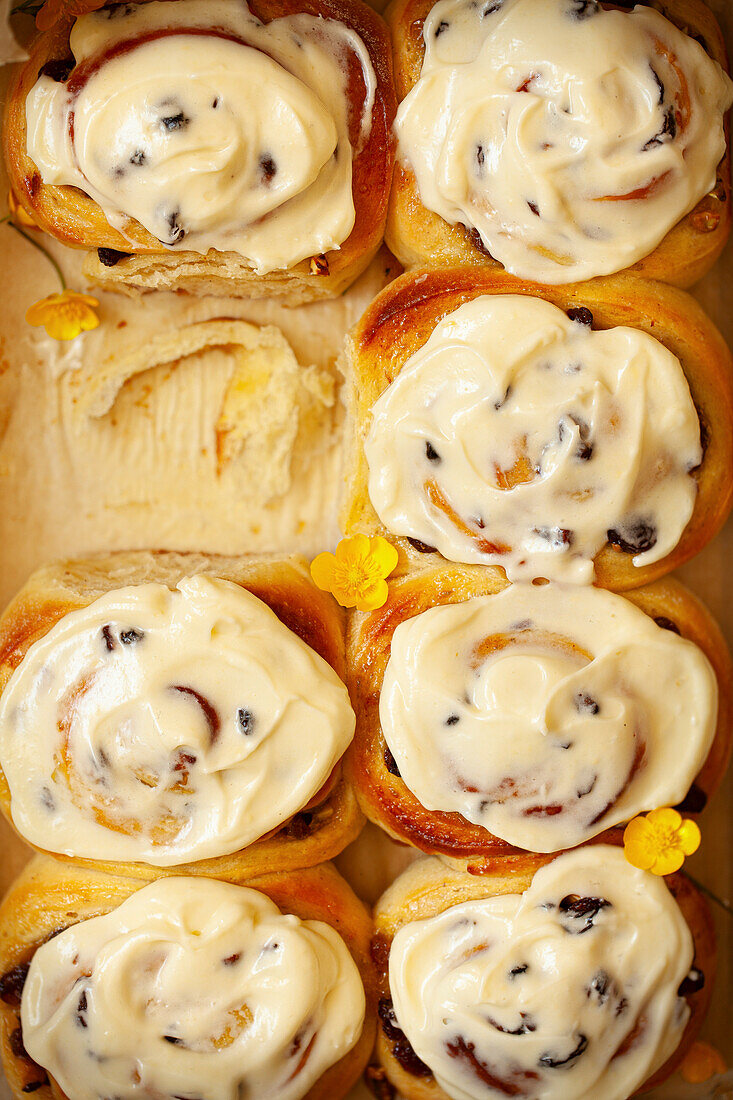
576,979
568,438
186,987
527,718
253,153
564,139
171,722
518,436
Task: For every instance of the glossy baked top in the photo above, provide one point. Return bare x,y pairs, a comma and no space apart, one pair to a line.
517,436
571,138
567,991
192,988
168,725
208,127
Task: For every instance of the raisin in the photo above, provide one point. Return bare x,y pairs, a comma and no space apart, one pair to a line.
633,538
517,970
694,801
246,721
586,704
268,168
81,1009
558,537
693,983
551,1061
174,122
431,453
299,826
108,638
666,624
131,637
526,1026
480,156
210,713
108,257
379,953
659,84
390,763
17,1048
231,960
177,232
534,208
581,909
58,69
581,314
422,547
600,987
582,9
452,719
402,1050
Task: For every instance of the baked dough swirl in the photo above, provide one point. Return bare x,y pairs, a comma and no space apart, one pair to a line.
168,726
208,127
192,988
546,714
567,991
519,437
571,138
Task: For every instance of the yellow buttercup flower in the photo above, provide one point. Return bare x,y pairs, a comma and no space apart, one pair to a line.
357,573
660,841
64,315
19,214
702,1062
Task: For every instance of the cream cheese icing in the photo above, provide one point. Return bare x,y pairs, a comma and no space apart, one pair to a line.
567,991
192,988
546,714
570,137
519,437
208,127
168,725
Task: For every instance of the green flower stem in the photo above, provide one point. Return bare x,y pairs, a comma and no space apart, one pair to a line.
40,248
725,905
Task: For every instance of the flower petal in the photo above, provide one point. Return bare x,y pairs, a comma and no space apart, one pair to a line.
374,597
701,1063
322,568
353,549
666,818
668,861
640,843
689,837
385,554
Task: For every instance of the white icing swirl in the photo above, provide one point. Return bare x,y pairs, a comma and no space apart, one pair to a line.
209,128
168,726
572,138
520,438
192,988
546,715
565,992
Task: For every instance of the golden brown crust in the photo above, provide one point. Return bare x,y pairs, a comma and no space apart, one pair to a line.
333,819
386,799
49,897
402,317
417,236
75,219
429,887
